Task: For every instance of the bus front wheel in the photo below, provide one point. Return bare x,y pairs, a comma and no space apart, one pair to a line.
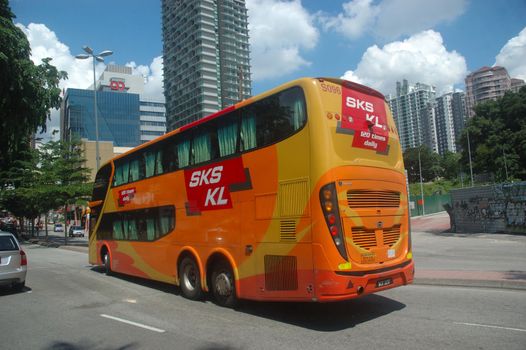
107,263
190,279
224,285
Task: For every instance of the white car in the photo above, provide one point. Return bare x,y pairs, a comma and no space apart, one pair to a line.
13,262
76,231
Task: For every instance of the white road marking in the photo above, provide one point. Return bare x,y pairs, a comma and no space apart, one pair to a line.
489,326
133,323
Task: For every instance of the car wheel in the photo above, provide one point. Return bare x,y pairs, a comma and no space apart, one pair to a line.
224,285
190,279
107,263
19,286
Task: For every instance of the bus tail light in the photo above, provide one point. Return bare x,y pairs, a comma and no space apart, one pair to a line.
329,205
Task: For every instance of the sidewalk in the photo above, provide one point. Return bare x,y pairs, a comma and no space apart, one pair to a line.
471,260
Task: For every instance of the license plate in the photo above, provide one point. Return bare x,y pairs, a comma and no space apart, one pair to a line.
383,283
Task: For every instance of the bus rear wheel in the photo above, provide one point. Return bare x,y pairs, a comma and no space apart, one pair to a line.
224,285
107,263
190,279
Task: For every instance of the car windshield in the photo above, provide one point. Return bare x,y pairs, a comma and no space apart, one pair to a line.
76,227
7,243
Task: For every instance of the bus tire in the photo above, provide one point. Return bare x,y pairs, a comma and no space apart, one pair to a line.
223,285
190,279
107,263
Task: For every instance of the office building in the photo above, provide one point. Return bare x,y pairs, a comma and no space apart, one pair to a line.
206,57
413,111
126,118
488,83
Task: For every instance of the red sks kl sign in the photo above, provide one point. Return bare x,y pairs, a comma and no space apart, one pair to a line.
207,187
126,195
366,115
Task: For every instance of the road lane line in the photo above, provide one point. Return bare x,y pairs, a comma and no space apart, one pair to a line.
489,326
133,323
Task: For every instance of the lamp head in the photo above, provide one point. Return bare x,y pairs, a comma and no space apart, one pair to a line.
87,49
105,53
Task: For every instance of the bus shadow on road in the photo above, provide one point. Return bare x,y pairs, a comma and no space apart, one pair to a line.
160,286
325,317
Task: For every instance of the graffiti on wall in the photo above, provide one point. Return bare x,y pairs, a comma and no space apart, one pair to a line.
498,208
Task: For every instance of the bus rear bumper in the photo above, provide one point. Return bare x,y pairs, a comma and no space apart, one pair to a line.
343,285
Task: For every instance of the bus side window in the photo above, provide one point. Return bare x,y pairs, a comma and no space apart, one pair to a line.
248,132
102,181
122,171
136,169
169,157
153,162
183,153
228,134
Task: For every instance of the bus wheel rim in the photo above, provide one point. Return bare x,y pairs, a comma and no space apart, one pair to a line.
223,284
190,277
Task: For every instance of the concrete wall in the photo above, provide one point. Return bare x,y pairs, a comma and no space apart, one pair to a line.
497,208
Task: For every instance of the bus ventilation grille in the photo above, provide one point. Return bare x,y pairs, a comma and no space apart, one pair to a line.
363,237
373,199
366,238
281,272
287,231
391,235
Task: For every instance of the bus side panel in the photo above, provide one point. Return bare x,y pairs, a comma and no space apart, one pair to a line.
284,254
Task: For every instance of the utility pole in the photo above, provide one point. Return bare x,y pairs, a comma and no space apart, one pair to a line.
421,183
469,153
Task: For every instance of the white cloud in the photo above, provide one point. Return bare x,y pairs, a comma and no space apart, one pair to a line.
358,17
153,75
44,43
279,31
390,19
512,56
421,58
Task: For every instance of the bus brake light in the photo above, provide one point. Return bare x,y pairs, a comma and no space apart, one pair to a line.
329,204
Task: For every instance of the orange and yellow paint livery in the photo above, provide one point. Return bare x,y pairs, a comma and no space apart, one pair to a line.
296,194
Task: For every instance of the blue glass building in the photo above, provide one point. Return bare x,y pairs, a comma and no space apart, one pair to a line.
118,116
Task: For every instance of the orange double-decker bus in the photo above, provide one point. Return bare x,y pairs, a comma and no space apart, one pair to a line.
297,194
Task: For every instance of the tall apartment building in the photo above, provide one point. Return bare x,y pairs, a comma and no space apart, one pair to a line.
458,106
445,124
414,115
486,83
206,57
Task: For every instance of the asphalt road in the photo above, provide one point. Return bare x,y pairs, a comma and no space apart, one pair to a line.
70,305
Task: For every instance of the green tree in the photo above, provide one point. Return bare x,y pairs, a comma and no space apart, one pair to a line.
27,91
50,178
497,136
64,174
429,163
450,165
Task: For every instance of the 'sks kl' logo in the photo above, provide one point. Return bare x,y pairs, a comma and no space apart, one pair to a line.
117,85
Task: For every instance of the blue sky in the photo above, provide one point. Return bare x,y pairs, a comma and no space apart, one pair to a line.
375,42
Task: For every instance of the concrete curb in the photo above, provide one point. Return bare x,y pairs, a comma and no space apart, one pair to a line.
483,279
518,285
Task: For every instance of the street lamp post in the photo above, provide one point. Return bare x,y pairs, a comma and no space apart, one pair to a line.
100,57
469,154
421,182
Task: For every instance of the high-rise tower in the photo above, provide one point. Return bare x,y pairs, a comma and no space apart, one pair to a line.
206,57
